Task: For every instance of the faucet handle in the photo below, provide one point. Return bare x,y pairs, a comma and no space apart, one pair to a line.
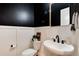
62,41
54,39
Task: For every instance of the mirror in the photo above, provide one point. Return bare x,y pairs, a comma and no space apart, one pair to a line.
65,16
60,14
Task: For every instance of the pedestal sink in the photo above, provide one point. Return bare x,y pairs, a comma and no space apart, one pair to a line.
58,48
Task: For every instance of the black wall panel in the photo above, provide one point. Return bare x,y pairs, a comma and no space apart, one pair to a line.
36,14
41,14
17,14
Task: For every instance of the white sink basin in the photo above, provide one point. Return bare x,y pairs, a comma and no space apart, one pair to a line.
58,48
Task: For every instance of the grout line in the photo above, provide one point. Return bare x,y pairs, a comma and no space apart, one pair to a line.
16,41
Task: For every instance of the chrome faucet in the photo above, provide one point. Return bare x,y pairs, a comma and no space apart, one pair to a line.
57,37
